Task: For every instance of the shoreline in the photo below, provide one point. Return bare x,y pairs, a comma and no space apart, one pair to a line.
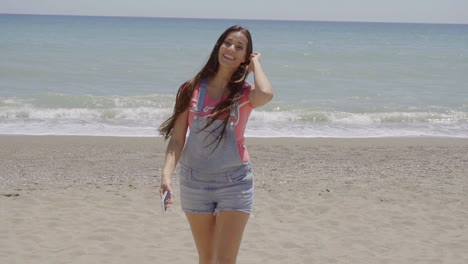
67,160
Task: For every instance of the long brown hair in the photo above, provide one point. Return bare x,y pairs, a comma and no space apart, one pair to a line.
235,85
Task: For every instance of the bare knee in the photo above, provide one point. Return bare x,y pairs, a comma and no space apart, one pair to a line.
206,259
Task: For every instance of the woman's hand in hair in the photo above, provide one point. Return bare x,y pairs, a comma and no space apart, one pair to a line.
254,59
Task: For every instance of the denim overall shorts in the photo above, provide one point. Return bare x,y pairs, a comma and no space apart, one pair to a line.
213,176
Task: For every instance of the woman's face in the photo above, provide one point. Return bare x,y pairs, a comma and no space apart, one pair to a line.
232,51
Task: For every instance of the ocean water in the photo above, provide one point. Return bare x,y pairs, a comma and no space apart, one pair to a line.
117,76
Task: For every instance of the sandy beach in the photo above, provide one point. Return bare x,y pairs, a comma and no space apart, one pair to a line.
71,199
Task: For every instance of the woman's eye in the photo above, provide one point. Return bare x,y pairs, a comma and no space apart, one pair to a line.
240,47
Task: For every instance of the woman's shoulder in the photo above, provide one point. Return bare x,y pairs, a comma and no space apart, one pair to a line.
245,93
193,91
246,88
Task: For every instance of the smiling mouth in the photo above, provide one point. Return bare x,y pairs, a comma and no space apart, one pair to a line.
229,57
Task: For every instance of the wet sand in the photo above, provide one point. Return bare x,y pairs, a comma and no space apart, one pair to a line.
67,199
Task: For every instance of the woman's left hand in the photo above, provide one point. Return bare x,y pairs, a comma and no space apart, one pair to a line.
254,59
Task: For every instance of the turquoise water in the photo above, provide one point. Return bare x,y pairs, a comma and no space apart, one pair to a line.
71,75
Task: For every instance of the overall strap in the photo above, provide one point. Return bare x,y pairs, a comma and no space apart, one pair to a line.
234,111
201,100
201,95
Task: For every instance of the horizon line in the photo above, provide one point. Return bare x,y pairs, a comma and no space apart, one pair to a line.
248,19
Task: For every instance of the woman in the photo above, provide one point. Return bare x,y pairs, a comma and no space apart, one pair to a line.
216,184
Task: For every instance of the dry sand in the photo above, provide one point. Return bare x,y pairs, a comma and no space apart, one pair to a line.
94,200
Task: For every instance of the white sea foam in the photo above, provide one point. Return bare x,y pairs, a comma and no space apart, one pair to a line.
143,121
254,129
140,116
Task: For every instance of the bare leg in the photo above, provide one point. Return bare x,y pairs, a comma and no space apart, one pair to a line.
230,226
203,229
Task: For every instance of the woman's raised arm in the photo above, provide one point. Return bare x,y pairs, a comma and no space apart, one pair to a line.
262,91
